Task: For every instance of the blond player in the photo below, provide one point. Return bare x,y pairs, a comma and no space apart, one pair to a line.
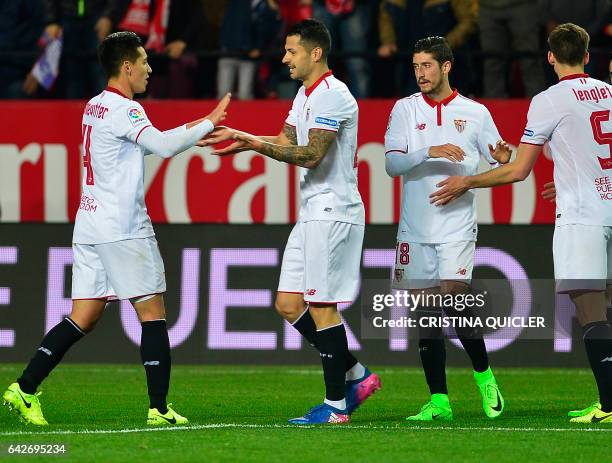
573,116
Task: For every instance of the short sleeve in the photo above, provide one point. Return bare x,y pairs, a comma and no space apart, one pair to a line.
541,121
397,129
489,135
329,111
129,121
291,117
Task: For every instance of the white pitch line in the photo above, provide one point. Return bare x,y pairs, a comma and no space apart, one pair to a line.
196,427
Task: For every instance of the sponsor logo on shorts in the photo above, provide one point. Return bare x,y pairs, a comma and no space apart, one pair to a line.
421,126
326,121
328,209
310,292
607,359
462,271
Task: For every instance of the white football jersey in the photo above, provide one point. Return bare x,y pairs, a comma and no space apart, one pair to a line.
329,191
112,204
416,123
574,116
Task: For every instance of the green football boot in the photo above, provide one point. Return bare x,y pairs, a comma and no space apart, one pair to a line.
170,418
27,406
438,409
584,411
492,399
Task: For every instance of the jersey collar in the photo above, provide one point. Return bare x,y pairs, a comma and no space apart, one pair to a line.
311,89
574,76
118,92
433,103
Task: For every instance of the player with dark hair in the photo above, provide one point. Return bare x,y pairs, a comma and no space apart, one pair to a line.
573,116
323,254
115,251
435,247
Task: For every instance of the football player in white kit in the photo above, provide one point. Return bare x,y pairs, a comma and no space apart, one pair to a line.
573,116
114,246
322,258
430,135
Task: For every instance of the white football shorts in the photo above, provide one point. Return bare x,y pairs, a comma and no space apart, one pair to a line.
322,260
582,256
121,270
423,265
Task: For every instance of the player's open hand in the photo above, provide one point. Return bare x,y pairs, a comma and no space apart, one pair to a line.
449,151
501,153
219,113
219,134
549,192
450,189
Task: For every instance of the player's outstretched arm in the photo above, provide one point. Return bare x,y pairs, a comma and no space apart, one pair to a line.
172,142
221,134
399,162
309,156
515,171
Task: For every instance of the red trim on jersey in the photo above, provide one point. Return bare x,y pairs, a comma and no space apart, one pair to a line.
396,151
574,76
92,298
534,144
118,92
332,302
289,124
311,89
291,292
438,104
145,127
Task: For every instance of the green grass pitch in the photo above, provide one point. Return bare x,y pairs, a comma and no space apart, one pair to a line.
239,413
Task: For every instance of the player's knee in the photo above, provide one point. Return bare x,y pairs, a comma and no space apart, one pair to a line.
288,311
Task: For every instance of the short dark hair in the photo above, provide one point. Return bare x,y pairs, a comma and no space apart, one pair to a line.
438,47
569,43
312,33
115,49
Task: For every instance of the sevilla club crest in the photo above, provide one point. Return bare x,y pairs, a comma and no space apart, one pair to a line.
460,125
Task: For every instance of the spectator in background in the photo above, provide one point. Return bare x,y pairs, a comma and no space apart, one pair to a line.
21,25
349,23
510,26
174,31
592,15
402,22
83,25
249,27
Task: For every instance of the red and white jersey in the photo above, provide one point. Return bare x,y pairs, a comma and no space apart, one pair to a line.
416,123
112,204
329,191
574,116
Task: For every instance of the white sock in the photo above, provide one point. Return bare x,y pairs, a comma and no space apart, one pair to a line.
339,404
356,372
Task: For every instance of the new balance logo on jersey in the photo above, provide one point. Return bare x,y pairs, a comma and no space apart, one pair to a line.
421,126
46,351
151,362
607,359
462,271
310,292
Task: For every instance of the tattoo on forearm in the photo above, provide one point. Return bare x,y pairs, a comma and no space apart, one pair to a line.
290,133
305,156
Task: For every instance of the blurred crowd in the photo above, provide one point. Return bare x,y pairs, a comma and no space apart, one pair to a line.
204,48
